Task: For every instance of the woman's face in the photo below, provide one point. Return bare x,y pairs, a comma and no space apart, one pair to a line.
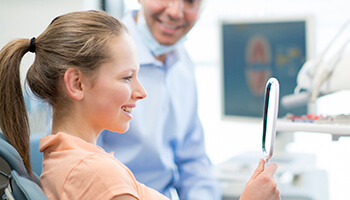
169,22
114,92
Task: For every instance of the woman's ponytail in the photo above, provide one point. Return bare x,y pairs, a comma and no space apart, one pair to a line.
14,122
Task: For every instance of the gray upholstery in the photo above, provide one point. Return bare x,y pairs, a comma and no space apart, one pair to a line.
12,171
35,155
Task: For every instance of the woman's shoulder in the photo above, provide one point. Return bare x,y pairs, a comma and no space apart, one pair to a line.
99,174
100,164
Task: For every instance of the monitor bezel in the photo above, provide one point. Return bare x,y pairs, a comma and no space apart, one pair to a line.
310,45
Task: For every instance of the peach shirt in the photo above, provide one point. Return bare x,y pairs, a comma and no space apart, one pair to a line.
76,169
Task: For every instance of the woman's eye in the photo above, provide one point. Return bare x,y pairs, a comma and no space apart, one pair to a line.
190,1
127,78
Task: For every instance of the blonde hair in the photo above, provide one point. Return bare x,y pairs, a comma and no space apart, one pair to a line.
77,39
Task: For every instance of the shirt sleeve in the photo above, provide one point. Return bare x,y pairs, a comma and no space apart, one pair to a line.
99,177
196,177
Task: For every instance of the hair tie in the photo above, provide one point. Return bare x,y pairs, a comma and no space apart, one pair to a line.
32,45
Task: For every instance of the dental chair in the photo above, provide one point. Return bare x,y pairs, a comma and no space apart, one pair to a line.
15,182
35,155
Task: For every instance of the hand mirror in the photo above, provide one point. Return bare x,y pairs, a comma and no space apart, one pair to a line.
270,117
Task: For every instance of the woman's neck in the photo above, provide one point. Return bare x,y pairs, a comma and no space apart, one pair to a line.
74,127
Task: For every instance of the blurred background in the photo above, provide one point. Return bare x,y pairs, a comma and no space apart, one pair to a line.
227,138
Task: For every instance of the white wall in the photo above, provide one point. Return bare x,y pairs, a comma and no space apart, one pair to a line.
329,16
229,138
23,18
27,19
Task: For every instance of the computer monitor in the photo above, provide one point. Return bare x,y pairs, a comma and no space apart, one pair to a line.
252,51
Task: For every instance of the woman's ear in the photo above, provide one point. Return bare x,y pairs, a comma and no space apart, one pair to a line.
73,83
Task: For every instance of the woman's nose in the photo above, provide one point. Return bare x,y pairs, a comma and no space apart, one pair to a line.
139,92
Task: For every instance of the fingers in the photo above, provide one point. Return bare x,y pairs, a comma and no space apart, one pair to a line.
262,185
271,169
259,169
277,194
269,181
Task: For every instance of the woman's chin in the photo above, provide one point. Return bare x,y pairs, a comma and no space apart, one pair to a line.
120,130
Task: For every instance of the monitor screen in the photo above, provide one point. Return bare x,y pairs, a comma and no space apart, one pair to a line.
252,51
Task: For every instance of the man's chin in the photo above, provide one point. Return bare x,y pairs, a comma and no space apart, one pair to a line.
167,40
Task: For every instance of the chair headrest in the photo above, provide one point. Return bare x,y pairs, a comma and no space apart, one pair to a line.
12,157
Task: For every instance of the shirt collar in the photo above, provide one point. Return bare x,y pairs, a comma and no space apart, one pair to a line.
144,54
62,141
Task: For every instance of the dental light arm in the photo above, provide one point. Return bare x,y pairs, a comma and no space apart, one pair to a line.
321,76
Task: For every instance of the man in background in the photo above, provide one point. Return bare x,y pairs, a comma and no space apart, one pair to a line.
164,147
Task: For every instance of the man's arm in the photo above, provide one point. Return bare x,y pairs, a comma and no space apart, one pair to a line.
195,169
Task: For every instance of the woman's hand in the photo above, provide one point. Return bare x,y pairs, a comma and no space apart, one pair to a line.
262,185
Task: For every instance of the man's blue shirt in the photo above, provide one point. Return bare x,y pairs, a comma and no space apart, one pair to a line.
164,146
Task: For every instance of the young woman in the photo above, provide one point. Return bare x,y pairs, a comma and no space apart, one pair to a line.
86,68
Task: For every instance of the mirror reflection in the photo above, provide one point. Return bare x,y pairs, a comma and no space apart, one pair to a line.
270,117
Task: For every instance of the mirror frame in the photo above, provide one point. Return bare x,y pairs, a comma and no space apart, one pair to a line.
272,84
